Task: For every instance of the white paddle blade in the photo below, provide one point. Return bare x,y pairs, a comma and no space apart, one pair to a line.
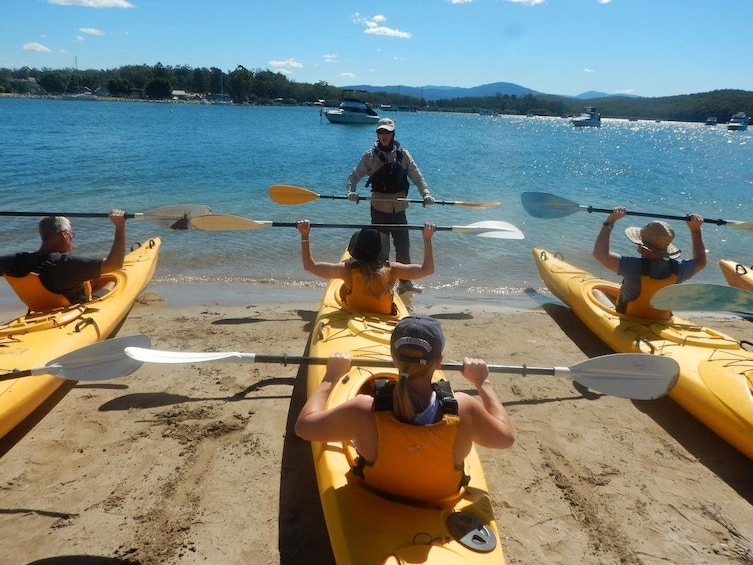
98,362
491,229
639,376
146,355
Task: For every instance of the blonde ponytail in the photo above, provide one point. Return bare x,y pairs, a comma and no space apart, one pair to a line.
404,402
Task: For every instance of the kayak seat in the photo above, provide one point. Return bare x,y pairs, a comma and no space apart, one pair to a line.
36,296
605,296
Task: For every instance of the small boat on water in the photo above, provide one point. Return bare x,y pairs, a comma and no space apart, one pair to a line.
352,111
81,97
711,121
738,122
38,337
82,93
588,118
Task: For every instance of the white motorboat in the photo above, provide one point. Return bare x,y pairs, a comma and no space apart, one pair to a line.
711,121
352,111
738,122
589,117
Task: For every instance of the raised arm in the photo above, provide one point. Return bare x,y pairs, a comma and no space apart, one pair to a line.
114,260
601,250
320,269
491,425
695,222
414,271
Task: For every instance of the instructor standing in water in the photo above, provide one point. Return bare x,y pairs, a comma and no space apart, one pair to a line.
389,166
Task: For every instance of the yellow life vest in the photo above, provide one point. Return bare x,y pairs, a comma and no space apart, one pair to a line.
359,299
36,296
414,462
641,306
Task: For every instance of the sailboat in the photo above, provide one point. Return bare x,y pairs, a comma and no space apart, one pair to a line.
222,99
85,94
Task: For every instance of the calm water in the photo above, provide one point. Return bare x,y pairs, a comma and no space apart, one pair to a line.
63,156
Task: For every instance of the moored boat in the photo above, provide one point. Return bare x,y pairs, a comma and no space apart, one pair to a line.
738,122
366,527
736,274
38,337
588,118
352,111
715,383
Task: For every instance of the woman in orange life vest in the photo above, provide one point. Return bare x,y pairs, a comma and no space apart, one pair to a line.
369,279
386,440
655,268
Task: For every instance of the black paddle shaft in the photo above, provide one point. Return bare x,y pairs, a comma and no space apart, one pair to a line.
384,227
67,214
591,209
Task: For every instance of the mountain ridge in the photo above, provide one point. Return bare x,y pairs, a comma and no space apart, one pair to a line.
437,92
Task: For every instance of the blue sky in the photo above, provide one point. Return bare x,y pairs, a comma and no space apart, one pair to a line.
642,47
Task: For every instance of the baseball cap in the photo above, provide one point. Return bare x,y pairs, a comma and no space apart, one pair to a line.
417,339
386,123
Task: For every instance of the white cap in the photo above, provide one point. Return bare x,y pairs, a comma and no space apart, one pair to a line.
386,123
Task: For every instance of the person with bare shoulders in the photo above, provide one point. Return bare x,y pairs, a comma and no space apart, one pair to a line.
413,435
369,278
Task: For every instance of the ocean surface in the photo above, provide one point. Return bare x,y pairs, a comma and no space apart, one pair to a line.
65,156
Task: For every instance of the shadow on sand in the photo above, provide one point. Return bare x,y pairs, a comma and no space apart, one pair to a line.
709,449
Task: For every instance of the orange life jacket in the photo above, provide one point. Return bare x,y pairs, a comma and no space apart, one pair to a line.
414,462
359,299
641,306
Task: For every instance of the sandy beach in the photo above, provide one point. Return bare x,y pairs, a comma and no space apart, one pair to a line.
199,464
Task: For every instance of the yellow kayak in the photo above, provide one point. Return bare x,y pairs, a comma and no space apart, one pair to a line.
368,528
35,339
716,373
737,274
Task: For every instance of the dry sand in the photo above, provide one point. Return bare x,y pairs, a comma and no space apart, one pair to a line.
199,464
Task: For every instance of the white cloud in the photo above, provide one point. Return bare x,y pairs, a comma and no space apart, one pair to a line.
91,31
605,1
93,3
460,1
529,2
78,39
587,70
348,75
286,63
330,57
38,47
374,27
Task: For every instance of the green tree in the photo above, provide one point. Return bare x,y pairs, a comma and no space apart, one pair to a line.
240,84
53,82
158,88
119,86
